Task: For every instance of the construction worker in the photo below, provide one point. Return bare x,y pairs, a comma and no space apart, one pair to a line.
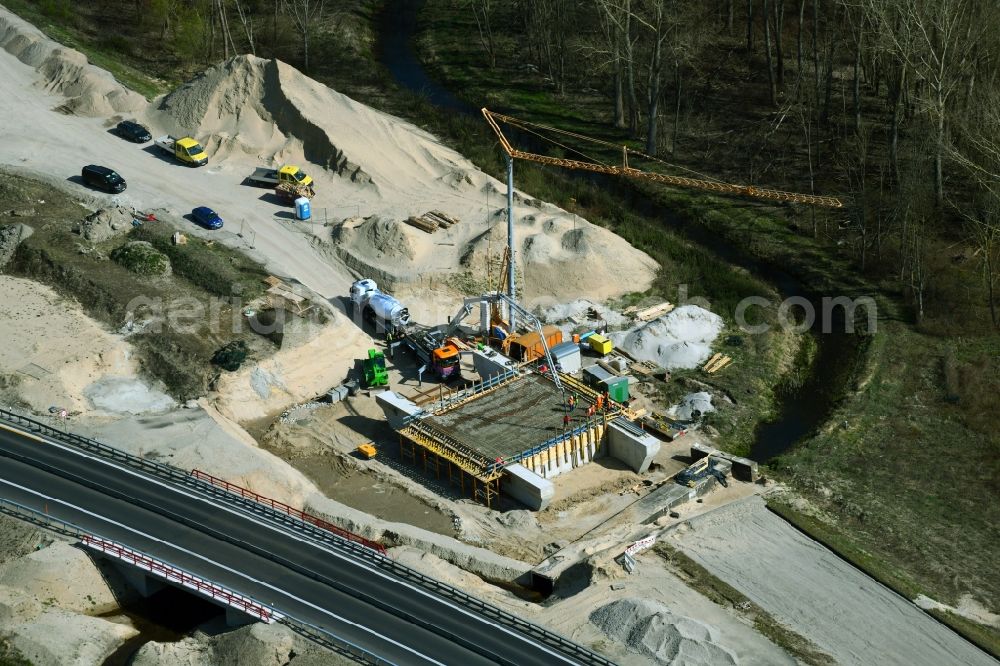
566,420
590,411
600,402
572,402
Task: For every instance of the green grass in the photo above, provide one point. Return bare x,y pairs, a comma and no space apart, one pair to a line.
725,595
172,352
59,21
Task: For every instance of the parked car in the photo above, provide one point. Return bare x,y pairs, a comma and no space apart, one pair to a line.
103,178
206,217
133,131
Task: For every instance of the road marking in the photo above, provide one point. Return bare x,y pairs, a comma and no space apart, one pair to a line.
289,534
223,567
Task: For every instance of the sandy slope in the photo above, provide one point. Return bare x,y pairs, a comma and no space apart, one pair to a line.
250,112
815,593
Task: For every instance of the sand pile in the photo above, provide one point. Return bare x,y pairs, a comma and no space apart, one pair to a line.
42,350
267,108
649,628
89,91
681,339
105,223
292,375
562,257
692,406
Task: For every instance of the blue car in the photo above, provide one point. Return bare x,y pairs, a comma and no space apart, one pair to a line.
206,217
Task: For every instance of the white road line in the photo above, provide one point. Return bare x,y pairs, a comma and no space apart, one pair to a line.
223,567
319,545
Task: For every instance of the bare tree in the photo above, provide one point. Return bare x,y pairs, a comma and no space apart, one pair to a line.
306,14
246,19
483,11
937,40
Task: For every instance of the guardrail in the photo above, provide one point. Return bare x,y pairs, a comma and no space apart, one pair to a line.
183,478
312,632
172,574
290,510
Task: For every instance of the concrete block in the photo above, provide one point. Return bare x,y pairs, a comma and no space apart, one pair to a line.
636,451
138,579
396,408
490,362
527,487
744,469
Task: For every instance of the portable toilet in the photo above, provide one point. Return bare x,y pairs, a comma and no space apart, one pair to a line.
303,210
617,388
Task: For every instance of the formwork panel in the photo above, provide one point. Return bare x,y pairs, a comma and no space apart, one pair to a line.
517,416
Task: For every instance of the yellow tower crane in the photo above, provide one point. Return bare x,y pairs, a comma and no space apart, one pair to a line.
708,184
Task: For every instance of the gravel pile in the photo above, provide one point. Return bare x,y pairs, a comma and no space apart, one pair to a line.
681,339
652,630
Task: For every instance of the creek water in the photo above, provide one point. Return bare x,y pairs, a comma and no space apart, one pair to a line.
804,405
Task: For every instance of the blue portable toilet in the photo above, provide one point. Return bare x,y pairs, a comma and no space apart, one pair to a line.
303,211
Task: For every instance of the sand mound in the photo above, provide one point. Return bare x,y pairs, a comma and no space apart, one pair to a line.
648,627
562,257
104,224
89,91
42,333
294,375
690,404
267,108
681,339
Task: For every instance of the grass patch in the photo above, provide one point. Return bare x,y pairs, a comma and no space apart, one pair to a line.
59,20
725,595
141,259
189,314
217,269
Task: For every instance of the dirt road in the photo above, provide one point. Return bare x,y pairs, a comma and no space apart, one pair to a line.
815,593
56,146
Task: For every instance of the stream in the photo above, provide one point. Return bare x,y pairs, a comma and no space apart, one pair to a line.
801,409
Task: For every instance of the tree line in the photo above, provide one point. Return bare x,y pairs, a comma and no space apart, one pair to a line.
895,101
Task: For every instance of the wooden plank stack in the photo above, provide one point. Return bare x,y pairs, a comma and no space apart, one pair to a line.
431,221
716,363
651,313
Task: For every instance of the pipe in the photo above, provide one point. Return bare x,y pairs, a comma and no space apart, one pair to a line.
511,292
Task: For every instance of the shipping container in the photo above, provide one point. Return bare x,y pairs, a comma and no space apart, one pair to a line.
567,357
528,347
600,344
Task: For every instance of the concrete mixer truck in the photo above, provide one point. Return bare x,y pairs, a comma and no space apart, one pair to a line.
377,307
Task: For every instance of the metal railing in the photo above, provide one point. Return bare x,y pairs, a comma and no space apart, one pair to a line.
178,576
288,509
355,550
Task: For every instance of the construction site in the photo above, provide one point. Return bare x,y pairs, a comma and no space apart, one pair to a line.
405,352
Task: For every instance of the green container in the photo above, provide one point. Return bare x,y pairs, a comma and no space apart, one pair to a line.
617,388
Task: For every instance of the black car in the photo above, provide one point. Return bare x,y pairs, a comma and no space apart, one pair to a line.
133,132
103,178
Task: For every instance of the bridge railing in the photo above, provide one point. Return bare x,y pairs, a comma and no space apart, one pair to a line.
174,574
288,509
361,552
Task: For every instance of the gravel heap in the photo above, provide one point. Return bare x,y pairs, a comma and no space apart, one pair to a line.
652,630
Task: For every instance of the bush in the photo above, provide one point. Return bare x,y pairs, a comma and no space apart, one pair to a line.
141,258
231,356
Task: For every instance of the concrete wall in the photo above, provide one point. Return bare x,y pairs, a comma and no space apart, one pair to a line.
490,362
527,487
744,469
636,451
396,408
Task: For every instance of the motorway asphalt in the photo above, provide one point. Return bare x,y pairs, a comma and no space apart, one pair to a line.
322,588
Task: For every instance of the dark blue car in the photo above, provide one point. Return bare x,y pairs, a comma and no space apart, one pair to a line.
206,217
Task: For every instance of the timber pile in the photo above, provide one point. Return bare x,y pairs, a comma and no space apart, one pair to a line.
431,221
651,313
716,363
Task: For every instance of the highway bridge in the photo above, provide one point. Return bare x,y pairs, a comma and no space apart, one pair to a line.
183,529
